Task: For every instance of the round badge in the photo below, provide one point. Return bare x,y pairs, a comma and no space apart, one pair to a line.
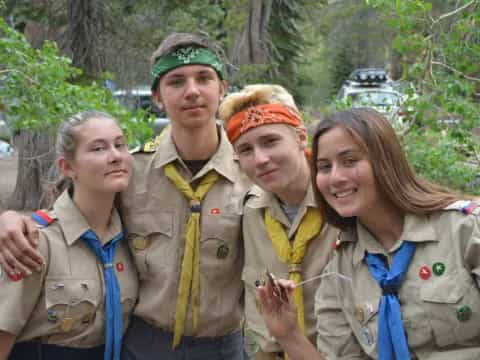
464,313
222,251
16,276
438,268
360,314
139,242
120,267
424,273
52,316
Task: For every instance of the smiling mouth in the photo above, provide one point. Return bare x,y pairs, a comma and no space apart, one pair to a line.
265,174
342,194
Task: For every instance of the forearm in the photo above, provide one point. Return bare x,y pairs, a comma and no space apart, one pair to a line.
7,341
298,347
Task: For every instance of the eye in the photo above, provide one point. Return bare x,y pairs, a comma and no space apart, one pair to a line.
120,145
323,167
98,148
177,82
349,162
244,151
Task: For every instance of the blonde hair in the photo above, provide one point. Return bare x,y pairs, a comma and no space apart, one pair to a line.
66,146
254,95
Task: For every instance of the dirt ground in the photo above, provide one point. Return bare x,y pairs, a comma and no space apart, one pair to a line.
8,176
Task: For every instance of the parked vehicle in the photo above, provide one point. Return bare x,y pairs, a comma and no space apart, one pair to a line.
141,98
371,87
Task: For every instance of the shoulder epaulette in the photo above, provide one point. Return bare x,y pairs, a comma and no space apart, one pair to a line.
43,218
149,147
465,206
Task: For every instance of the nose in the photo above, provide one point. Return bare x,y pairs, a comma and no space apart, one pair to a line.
192,89
261,157
337,174
114,155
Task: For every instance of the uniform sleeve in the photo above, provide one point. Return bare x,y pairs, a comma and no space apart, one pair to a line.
467,230
19,298
335,337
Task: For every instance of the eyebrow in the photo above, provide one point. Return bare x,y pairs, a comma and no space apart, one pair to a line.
342,153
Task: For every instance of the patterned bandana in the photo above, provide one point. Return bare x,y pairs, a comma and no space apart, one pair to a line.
259,115
189,55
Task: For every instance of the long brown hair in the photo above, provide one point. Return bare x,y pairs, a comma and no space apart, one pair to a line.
396,180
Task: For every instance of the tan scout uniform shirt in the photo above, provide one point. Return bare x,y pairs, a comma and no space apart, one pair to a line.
260,254
156,212
439,297
64,303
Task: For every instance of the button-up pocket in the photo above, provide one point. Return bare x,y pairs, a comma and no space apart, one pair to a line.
71,304
219,247
150,237
452,302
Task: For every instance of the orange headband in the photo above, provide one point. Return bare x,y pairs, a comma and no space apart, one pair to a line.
260,115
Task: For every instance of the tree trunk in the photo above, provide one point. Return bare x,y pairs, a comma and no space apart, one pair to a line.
251,46
85,28
35,158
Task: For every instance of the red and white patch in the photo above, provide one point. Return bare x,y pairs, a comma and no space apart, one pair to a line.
15,276
425,273
215,211
119,266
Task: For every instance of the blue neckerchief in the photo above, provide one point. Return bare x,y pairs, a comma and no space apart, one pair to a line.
392,343
113,306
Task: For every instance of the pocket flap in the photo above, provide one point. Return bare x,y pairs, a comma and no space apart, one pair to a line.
71,292
146,223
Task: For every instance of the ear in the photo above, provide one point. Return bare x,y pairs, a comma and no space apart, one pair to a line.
223,88
157,100
66,167
302,138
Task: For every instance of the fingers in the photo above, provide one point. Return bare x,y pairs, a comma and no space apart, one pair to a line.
17,233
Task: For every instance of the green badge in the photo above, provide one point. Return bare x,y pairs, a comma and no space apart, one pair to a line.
438,268
464,313
222,251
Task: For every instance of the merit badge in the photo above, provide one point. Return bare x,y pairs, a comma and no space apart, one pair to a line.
67,324
360,314
438,268
222,251
15,276
464,313
215,211
366,336
120,267
140,242
52,316
424,273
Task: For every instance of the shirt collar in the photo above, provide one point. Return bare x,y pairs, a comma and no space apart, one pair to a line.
416,229
268,200
223,161
74,224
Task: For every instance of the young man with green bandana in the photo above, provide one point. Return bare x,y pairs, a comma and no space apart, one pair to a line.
182,213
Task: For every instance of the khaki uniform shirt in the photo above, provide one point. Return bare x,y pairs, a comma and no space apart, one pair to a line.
155,213
439,296
64,303
260,254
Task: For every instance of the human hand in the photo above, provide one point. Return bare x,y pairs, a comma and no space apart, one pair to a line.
280,316
18,242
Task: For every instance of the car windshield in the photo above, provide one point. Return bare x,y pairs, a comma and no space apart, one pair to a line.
377,98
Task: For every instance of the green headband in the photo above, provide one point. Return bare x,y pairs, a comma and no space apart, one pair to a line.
186,56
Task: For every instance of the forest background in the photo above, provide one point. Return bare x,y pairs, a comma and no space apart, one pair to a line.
55,56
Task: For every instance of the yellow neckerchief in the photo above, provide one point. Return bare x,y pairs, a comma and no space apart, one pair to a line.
309,227
190,275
